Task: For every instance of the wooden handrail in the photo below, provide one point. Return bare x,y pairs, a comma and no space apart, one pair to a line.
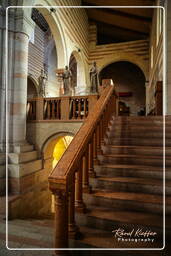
78,161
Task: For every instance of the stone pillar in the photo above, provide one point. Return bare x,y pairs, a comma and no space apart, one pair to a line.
20,28
18,100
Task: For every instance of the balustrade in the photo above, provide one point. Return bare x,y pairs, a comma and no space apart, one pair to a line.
60,108
70,177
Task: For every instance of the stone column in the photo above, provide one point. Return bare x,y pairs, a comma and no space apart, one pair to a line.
18,100
17,54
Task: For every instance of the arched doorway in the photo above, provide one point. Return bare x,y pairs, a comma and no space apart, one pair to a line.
129,81
53,150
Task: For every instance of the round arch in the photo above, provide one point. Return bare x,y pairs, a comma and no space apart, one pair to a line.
124,57
81,76
54,25
129,81
32,86
49,145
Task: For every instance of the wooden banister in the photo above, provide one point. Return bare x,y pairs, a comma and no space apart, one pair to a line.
77,164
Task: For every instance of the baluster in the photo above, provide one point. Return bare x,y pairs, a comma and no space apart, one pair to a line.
53,109
74,109
101,131
61,219
79,108
79,204
99,150
48,109
92,173
95,159
72,227
86,186
57,109
85,108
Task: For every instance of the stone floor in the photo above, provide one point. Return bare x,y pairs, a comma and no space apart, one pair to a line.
32,233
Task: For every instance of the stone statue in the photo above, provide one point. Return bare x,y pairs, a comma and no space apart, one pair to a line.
67,80
42,83
94,78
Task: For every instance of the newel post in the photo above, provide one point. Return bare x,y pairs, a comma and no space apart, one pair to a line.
65,108
61,219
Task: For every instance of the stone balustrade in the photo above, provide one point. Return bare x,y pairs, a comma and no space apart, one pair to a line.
60,108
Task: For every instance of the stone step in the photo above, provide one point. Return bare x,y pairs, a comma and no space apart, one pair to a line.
23,148
95,238
137,141
15,158
128,201
134,159
167,118
139,128
133,123
110,219
22,169
125,170
138,150
137,134
131,184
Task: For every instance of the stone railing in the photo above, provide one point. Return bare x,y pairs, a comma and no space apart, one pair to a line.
60,108
70,177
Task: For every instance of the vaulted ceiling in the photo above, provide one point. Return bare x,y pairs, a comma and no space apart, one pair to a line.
120,24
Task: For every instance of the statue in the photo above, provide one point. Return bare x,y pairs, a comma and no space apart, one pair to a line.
42,83
94,78
67,80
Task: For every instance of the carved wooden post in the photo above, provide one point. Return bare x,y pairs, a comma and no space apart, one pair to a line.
65,108
73,229
86,186
95,159
91,168
99,150
61,219
79,204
